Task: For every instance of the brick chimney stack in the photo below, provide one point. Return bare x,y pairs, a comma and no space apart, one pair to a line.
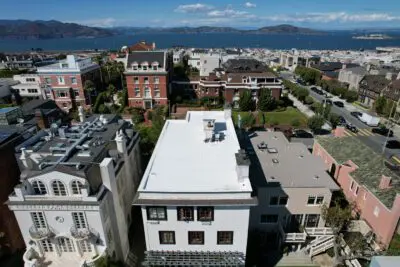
386,182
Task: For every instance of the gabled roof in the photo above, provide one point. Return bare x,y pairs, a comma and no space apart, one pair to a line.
141,46
375,83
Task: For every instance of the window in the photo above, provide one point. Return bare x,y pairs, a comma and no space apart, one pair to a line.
283,201
196,238
311,220
157,213
155,67
356,191
146,80
156,92
47,245
376,211
137,92
276,200
79,220
167,237
205,214
61,93
147,92
59,188
225,237
39,220
156,80
185,214
32,91
85,246
351,185
76,93
47,80
136,80
30,80
39,188
76,187
144,67
64,65
73,80
60,80
269,218
320,200
65,244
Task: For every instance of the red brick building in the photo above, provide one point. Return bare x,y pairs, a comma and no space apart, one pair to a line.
142,46
64,81
147,78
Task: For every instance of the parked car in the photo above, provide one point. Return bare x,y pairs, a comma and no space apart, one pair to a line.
393,144
302,134
327,101
351,127
370,120
382,131
356,114
316,90
328,95
342,120
338,104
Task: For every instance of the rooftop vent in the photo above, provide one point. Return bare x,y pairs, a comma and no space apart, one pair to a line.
301,156
316,177
274,160
262,145
272,150
272,177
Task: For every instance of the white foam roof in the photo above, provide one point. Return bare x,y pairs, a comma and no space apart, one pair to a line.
183,162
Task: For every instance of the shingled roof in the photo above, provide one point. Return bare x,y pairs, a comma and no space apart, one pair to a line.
375,83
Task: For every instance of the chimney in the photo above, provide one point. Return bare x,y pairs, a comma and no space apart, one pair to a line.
385,183
26,160
389,76
81,114
121,142
41,121
242,166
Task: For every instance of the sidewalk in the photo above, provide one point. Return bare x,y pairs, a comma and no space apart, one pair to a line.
300,106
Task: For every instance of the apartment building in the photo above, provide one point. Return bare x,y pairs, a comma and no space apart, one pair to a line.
367,179
147,78
291,185
291,59
64,81
73,205
29,86
196,195
352,76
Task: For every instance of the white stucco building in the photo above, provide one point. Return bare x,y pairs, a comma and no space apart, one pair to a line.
29,85
195,194
73,205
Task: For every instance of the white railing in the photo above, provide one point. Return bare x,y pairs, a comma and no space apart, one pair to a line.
319,231
92,262
30,258
295,237
321,246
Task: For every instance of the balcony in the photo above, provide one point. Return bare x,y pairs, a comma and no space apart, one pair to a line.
31,258
40,233
95,260
80,233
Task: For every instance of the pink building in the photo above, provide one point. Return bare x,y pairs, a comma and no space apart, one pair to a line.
367,179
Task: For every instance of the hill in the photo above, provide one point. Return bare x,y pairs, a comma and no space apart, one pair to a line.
39,29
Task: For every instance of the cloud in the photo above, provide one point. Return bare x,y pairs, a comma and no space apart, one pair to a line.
341,17
229,13
250,5
101,22
193,8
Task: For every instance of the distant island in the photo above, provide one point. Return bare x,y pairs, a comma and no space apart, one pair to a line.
40,29
375,36
278,29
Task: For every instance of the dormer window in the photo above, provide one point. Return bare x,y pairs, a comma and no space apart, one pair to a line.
135,66
39,188
244,79
155,65
145,65
76,187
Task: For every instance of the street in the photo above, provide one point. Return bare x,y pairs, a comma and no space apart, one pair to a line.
374,141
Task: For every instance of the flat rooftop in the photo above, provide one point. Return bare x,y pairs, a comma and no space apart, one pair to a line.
183,162
290,164
371,165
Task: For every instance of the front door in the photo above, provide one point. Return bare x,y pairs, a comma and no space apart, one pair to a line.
148,104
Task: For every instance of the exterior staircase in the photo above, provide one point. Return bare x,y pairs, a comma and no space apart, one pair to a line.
320,244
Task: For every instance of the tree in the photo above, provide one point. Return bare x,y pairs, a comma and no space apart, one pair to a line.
247,120
316,122
120,68
266,101
89,87
351,96
334,120
137,115
302,93
380,104
246,102
110,92
309,100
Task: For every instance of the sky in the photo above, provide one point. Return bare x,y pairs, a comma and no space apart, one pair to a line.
318,14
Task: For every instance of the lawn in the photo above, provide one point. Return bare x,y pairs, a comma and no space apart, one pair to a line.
286,117
394,247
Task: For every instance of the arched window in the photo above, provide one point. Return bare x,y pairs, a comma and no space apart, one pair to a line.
39,188
59,188
76,187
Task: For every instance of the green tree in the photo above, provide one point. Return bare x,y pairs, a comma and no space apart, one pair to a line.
334,120
380,104
247,120
339,91
309,100
266,101
89,87
110,92
302,93
246,102
351,96
315,123
137,115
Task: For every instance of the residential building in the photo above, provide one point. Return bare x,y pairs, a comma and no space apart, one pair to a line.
142,46
6,87
291,59
74,201
29,86
291,186
194,57
27,61
352,77
177,56
196,194
64,81
147,78
371,87
367,179
330,70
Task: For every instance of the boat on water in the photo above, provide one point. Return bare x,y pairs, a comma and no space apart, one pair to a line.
374,36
